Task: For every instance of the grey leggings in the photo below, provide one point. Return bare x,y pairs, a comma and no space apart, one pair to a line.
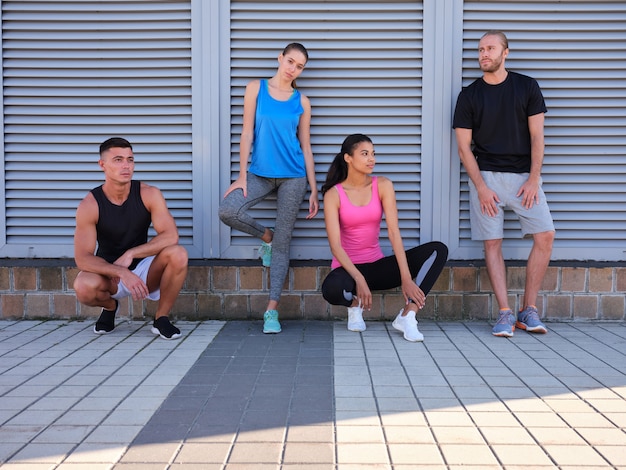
289,194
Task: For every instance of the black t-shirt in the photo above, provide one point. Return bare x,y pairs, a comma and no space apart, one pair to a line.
498,117
121,227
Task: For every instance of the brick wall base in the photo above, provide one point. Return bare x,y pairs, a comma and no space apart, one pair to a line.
40,289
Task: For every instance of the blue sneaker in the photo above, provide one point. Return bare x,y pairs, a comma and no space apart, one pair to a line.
270,322
528,319
505,326
265,253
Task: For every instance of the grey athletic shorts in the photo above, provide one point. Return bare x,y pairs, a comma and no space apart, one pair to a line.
537,219
140,270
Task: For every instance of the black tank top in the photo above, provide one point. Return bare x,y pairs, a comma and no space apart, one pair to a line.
121,227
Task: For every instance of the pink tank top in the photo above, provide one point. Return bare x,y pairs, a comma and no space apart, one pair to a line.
360,227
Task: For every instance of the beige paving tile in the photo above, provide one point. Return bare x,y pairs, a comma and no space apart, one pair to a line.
477,404
421,454
448,418
548,420
618,418
310,434
262,435
205,452
458,435
99,453
362,454
569,406
597,393
89,466
252,453
358,434
533,405
614,454
309,453
497,418
467,454
349,466
528,455
504,435
150,453
360,418
586,420
574,455
604,436
548,466
555,436
465,467
408,435
412,418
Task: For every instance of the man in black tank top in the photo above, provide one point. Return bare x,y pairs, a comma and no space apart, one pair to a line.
111,246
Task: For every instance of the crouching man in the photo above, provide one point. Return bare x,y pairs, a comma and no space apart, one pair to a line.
111,246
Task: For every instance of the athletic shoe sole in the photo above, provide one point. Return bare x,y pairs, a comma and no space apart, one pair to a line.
157,332
271,331
102,332
504,334
537,329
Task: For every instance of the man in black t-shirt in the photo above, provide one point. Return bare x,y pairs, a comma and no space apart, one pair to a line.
498,122
111,246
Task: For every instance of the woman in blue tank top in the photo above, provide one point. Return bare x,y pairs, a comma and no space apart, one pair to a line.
275,139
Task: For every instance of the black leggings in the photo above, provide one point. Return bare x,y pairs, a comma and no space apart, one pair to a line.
385,273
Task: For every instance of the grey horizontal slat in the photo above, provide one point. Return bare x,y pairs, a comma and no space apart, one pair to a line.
76,73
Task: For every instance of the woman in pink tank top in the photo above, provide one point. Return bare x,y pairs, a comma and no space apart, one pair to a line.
354,204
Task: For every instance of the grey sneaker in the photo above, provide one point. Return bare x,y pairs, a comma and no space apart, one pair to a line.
528,319
505,326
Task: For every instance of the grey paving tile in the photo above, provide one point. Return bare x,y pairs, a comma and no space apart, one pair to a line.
262,385
314,395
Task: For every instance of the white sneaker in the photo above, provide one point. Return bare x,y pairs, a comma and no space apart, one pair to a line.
355,318
408,326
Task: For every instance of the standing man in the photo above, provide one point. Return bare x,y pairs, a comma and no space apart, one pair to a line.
115,218
503,114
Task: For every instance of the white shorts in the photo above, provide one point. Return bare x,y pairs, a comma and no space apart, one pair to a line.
141,270
537,219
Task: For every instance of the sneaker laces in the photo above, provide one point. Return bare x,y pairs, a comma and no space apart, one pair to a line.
503,319
531,315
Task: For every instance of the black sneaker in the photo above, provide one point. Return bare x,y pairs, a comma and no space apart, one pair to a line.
106,321
162,327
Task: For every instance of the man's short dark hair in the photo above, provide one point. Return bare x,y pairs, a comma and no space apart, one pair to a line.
115,142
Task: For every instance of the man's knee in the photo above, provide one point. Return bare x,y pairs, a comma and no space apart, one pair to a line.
493,245
85,287
544,239
176,256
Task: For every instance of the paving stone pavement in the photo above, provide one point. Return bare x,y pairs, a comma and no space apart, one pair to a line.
316,396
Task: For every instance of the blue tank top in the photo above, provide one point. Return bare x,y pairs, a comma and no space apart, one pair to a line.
121,227
276,151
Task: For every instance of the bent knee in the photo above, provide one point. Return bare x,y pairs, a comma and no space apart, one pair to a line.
176,255
85,286
227,213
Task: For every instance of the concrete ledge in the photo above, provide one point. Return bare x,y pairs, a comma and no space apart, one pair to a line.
226,289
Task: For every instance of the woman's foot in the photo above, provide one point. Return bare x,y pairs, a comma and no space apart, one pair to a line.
355,318
407,324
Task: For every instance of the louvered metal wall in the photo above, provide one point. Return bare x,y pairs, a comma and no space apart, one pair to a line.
363,76
74,74
577,52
